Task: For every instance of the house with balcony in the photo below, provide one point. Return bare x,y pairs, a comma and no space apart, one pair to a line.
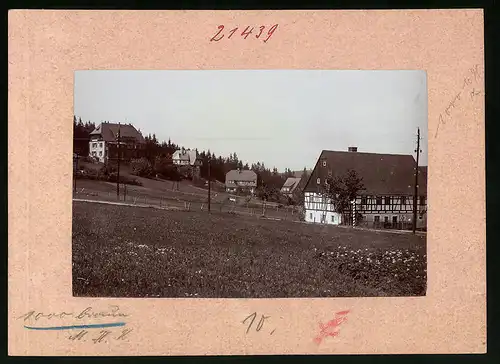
387,198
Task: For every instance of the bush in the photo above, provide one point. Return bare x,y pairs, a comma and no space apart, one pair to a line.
123,179
107,169
185,172
163,166
141,167
107,174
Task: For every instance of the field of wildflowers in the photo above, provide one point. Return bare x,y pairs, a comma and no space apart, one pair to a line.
121,251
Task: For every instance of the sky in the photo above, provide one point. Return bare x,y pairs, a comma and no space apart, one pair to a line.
284,118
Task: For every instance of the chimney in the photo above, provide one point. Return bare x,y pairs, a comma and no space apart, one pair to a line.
352,149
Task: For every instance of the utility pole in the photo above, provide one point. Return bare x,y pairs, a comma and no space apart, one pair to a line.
118,167
415,193
209,180
75,170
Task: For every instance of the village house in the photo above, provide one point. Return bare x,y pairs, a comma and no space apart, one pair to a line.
107,137
387,198
185,157
291,188
245,180
188,158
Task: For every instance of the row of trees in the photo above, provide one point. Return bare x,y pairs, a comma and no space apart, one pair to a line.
81,136
157,159
341,190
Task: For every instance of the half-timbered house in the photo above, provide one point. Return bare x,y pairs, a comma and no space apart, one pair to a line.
387,198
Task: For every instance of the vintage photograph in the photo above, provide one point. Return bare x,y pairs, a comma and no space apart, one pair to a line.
249,183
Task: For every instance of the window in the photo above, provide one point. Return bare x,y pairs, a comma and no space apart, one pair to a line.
100,154
379,200
94,145
394,219
100,145
387,201
386,219
377,218
333,218
318,181
422,200
324,163
403,200
363,200
311,215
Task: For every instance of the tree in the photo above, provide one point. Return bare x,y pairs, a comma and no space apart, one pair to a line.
141,167
341,190
163,165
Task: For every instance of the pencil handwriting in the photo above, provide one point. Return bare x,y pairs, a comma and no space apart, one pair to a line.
249,320
103,336
471,77
87,313
258,33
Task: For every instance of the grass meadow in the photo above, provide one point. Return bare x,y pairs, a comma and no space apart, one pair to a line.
121,251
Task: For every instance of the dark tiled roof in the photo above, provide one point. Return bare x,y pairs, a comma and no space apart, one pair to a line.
382,174
238,176
422,180
109,132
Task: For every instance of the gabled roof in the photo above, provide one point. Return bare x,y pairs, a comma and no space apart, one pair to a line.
291,183
382,174
241,175
186,155
109,132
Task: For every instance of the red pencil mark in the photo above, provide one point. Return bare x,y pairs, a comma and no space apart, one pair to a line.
245,34
232,32
343,312
261,29
221,28
270,32
331,328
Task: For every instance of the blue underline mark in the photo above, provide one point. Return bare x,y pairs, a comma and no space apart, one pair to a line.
91,326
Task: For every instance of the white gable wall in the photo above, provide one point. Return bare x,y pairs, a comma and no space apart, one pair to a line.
320,210
97,149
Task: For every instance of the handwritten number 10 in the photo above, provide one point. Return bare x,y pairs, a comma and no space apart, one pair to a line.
248,30
253,316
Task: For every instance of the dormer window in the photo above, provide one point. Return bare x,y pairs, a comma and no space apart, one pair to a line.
324,163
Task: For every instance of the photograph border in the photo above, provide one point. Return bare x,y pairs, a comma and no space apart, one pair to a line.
29,245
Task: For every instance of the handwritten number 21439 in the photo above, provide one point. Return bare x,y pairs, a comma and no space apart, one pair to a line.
259,32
